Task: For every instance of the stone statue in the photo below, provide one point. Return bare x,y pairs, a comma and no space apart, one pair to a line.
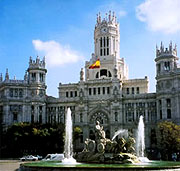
104,150
81,75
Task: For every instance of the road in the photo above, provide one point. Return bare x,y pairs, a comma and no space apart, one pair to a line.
9,165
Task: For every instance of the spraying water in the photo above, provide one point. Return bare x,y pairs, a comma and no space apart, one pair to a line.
68,147
140,141
140,138
123,132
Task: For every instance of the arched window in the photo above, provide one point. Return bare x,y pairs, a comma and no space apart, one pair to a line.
97,75
99,116
103,72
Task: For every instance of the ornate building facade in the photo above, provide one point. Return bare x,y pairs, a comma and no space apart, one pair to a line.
104,93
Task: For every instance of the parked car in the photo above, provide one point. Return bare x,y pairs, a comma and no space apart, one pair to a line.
29,158
39,157
54,157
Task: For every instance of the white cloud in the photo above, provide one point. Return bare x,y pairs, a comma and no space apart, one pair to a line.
55,53
122,13
160,15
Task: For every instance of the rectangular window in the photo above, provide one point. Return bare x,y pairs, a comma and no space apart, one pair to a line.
67,94
75,93
100,52
104,42
127,90
20,93
132,90
15,116
103,90
16,93
11,92
89,91
40,108
107,42
81,117
108,90
160,112
167,66
94,91
168,113
99,90
158,68
116,116
104,52
71,93
159,103
107,51
41,77
33,76
40,118
137,90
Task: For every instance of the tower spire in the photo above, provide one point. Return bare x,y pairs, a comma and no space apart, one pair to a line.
109,16
7,75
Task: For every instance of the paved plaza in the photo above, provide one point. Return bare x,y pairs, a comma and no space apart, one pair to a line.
10,165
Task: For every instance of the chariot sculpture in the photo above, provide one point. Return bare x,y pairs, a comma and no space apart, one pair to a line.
104,150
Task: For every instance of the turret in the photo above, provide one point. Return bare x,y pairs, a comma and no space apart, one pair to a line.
167,83
7,75
36,78
37,71
166,59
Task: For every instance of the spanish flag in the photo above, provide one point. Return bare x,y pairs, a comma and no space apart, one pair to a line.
95,65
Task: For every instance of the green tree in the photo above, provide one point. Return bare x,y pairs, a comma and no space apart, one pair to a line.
77,132
25,138
168,139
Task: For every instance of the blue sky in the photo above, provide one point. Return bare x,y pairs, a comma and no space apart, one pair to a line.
63,30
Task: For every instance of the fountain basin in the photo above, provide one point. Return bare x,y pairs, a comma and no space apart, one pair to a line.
58,166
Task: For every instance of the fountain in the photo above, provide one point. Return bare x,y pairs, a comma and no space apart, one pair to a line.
122,132
68,146
103,153
140,141
104,150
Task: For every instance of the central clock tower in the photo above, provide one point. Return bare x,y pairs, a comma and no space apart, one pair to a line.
107,51
107,37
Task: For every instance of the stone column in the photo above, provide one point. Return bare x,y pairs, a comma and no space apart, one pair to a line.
135,112
164,112
146,113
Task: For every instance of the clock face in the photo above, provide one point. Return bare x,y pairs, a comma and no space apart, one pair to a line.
104,30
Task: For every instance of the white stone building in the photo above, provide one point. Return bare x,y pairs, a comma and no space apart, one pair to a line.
105,93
